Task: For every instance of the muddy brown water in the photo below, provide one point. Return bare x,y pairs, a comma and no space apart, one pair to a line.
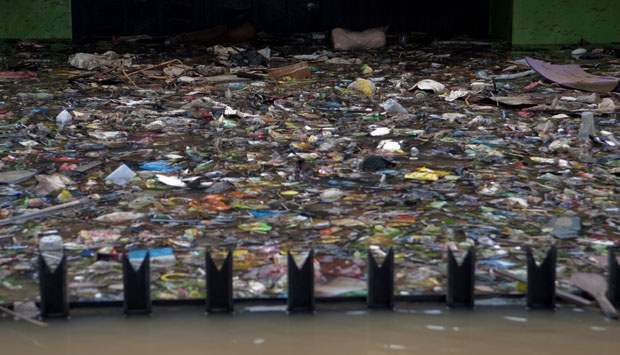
421,329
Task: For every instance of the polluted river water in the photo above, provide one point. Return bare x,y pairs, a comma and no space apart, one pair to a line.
418,329
265,166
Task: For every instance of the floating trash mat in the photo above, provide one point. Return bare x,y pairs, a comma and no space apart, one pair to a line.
410,152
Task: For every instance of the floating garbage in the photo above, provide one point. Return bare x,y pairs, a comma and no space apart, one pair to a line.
63,118
573,76
578,53
160,166
564,227
376,163
364,86
49,184
170,180
394,107
16,176
389,145
90,61
122,175
429,85
346,40
290,148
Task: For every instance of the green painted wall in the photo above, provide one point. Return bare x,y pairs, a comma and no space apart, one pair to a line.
35,18
565,21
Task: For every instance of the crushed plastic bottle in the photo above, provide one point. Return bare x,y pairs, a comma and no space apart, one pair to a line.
122,175
63,119
586,130
394,107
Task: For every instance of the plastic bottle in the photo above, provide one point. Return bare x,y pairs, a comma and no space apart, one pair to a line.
51,248
63,118
122,175
419,95
587,126
51,243
403,38
392,106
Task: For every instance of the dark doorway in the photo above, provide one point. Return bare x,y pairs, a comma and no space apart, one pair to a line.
105,18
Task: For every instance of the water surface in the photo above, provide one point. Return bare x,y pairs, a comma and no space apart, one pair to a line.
418,329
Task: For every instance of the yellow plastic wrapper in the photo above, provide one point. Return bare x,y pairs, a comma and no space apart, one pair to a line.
64,196
347,222
364,86
422,176
426,174
289,193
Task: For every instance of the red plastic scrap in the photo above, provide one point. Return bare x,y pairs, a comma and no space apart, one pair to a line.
526,114
6,113
531,86
18,75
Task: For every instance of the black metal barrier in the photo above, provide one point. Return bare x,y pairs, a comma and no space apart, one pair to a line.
219,285
301,284
613,279
541,280
461,279
53,288
381,282
137,286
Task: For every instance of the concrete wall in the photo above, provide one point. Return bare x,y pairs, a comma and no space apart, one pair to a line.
35,18
565,21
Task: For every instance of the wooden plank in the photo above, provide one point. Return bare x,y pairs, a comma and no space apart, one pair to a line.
299,71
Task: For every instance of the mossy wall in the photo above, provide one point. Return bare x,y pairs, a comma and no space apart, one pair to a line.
537,22
35,18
